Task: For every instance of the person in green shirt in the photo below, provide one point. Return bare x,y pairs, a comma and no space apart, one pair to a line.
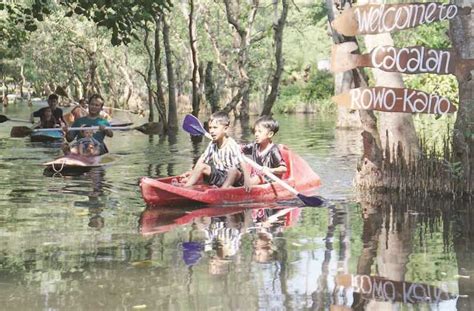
96,102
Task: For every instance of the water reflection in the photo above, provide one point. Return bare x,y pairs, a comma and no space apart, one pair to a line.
67,239
216,232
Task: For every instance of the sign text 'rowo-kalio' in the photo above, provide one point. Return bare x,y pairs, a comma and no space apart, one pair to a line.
379,288
409,60
380,18
394,100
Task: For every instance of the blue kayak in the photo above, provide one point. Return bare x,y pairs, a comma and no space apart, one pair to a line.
54,135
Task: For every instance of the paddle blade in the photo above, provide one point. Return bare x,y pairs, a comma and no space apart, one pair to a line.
3,118
20,131
311,200
193,126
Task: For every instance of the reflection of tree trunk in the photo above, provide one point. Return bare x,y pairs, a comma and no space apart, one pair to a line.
464,247
192,42
462,37
172,109
278,26
318,297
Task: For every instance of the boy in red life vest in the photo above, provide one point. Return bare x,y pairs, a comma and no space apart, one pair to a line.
221,164
264,152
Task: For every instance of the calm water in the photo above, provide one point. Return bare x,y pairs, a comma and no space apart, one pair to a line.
90,243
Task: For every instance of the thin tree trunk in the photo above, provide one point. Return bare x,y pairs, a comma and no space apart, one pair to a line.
148,76
462,38
112,84
160,97
128,81
23,80
192,42
172,109
278,26
243,93
211,94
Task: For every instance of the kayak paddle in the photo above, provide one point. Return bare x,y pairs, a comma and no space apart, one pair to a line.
23,131
193,126
5,119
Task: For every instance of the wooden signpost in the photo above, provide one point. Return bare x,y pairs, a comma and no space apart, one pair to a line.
409,60
379,288
375,18
394,100
380,18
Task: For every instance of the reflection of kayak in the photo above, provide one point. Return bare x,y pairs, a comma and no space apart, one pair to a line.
74,163
159,220
166,191
53,135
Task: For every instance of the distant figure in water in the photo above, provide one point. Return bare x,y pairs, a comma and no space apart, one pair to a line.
53,105
47,119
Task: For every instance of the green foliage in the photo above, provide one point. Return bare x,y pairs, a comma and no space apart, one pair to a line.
122,17
444,85
319,86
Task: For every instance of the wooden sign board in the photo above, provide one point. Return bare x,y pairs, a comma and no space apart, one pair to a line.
380,18
379,288
394,100
409,60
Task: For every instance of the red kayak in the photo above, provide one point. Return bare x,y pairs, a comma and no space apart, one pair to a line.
167,191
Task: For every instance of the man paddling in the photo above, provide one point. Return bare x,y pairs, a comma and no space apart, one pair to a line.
57,112
96,102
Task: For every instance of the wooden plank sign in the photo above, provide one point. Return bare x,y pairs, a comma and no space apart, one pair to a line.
380,18
394,100
409,60
379,288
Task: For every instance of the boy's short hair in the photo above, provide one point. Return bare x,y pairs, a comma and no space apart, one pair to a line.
53,97
220,117
267,122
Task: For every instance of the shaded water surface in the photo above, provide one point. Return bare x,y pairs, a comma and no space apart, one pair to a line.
89,241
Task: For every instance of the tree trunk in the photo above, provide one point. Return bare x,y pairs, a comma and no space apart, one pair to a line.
192,42
23,80
112,84
148,77
172,109
397,127
462,38
128,81
211,94
233,18
278,26
369,173
160,97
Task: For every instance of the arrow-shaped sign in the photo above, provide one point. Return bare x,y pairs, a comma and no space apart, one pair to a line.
380,18
394,100
409,60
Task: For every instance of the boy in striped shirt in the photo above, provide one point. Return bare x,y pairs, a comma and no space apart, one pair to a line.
222,163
